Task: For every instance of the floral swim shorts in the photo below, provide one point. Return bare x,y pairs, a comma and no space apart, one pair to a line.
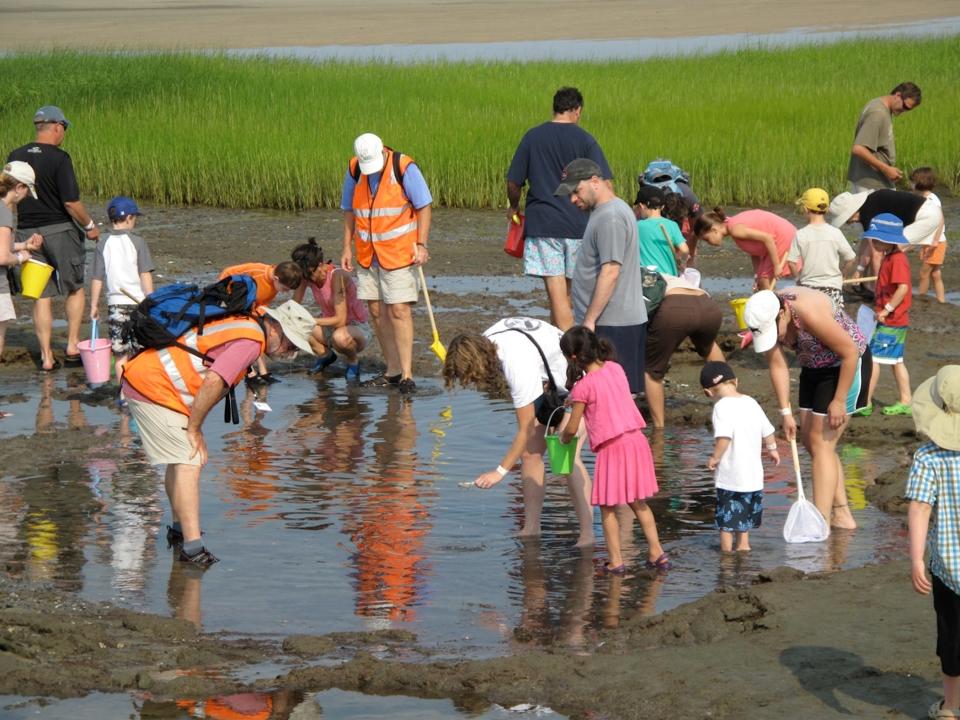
117,316
550,257
739,511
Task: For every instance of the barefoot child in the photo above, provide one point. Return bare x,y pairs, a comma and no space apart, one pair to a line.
739,428
933,488
820,255
932,255
894,296
624,473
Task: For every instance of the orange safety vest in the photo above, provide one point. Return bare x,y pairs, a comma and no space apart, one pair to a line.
171,376
385,223
262,275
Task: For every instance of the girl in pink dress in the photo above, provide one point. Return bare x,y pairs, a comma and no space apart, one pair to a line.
624,473
764,236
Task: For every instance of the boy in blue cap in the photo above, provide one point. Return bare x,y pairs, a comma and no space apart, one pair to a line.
894,296
123,262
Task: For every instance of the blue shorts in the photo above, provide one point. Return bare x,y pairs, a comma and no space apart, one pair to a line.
887,344
550,257
630,345
739,511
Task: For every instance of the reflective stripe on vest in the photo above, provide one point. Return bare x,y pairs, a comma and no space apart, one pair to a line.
385,223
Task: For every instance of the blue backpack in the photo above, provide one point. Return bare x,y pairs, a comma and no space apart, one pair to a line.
665,175
164,315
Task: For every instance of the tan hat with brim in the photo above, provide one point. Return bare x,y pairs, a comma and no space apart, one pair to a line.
296,322
936,407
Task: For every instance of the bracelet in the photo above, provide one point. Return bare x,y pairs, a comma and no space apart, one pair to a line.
90,225
861,268
771,446
423,245
786,411
501,470
889,308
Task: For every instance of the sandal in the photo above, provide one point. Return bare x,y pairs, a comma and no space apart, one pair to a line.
620,569
72,360
898,409
937,711
661,563
53,368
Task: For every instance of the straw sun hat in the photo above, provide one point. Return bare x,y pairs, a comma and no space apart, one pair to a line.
936,408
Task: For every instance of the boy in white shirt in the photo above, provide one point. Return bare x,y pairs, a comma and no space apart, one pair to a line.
122,261
739,428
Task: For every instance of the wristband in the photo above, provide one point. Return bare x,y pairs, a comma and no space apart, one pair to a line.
861,268
22,256
771,446
501,470
90,225
889,308
786,411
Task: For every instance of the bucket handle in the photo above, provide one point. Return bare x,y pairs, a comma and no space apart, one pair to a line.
550,419
93,332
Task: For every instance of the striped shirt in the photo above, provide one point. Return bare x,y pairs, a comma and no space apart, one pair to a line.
935,479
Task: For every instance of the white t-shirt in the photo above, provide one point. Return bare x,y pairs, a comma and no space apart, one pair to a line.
118,261
824,250
743,421
936,201
522,364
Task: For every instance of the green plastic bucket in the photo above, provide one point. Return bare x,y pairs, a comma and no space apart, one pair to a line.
561,456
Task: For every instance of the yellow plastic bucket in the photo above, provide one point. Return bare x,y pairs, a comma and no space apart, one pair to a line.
738,304
34,276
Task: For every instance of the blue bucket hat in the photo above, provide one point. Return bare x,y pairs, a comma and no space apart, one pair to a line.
121,207
886,228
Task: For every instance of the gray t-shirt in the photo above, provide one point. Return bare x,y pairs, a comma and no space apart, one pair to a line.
874,131
823,249
611,236
6,220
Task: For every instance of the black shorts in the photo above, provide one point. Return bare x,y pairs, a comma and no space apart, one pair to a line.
819,385
63,248
630,344
680,317
947,604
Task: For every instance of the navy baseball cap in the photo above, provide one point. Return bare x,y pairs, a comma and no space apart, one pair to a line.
121,207
50,114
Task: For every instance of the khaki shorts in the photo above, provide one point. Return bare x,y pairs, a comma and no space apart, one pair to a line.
163,433
6,308
392,287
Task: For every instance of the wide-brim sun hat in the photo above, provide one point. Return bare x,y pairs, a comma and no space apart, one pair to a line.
936,408
887,228
844,206
296,322
760,315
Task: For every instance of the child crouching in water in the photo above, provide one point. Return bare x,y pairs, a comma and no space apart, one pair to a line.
624,473
739,427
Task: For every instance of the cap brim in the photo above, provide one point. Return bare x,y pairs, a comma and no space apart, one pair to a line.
764,338
371,167
892,239
292,333
33,191
566,189
930,420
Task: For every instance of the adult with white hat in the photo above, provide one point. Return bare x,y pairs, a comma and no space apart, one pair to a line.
835,373
17,181
933,488
386,213
921,217
171,391
57,214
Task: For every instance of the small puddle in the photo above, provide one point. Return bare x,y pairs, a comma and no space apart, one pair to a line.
329,704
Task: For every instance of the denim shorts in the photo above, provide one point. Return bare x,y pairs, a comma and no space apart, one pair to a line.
550,257
739,511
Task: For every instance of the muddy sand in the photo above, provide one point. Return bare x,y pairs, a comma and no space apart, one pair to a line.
855,643
284,23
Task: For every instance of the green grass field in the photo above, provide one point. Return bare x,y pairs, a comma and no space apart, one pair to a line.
753,127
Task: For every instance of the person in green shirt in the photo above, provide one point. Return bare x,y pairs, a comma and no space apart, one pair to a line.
662,245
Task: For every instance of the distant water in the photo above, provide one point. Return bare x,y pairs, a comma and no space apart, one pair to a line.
623,49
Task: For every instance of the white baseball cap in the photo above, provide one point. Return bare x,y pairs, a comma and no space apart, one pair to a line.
760,315
369,151
22,172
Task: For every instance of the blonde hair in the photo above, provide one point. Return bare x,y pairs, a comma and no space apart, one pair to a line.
472,362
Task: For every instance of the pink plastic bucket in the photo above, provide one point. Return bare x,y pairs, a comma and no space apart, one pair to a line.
95,355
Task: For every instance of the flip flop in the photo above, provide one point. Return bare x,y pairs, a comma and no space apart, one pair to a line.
72,360
661,563
56,366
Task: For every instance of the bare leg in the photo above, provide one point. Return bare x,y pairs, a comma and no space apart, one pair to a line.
348,341
317,341
261,366
951,691
726,541
611,533
743,542
874,379
924,283
715,354
74,307
383,329
531,475
579,486
938,290
829,490
766,283
400,318
902,377
43,327
558,293
3,336
182,483
649,526
655,400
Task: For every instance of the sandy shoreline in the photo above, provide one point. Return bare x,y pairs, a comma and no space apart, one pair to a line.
83,24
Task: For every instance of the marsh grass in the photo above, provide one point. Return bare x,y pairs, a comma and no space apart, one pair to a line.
753,126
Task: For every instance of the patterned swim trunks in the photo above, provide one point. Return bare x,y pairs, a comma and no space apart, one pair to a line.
117,316
550,257
739,511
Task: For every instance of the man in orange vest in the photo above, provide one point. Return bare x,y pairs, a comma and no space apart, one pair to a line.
387,206
170,392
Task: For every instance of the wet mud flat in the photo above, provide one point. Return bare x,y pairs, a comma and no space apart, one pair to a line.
855,642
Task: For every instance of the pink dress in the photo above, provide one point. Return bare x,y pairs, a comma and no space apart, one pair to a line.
624,468
783,233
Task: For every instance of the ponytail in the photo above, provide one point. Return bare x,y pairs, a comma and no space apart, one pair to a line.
581,347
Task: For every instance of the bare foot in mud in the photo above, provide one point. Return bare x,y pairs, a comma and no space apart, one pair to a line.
529,534
585,541
842,518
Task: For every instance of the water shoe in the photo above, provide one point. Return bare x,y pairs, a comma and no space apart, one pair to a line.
898,409
864,411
